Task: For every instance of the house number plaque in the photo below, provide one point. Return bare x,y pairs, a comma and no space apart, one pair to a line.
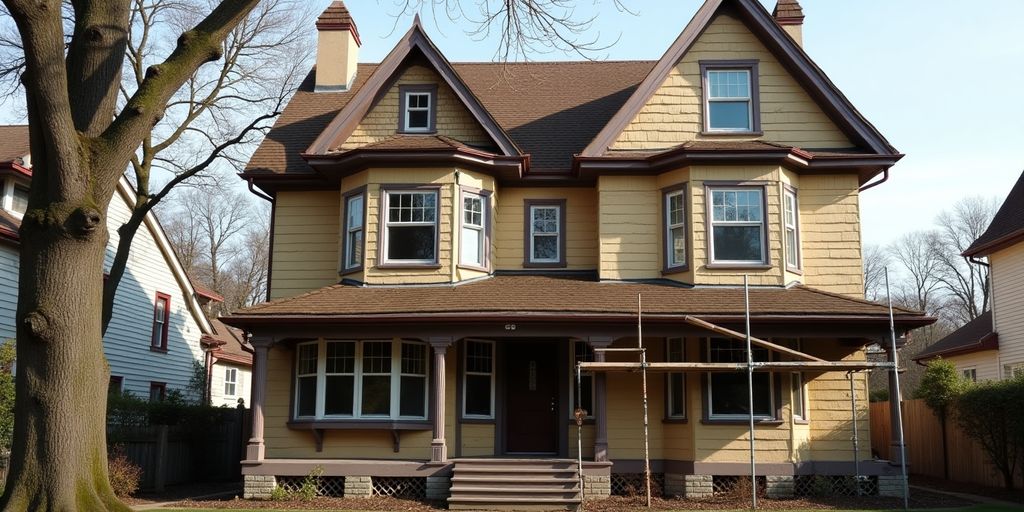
533,375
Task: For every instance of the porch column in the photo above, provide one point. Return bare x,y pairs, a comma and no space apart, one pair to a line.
438,447
894,398
600,401
261,346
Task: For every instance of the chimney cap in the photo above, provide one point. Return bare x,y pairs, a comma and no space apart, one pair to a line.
337,17
788,12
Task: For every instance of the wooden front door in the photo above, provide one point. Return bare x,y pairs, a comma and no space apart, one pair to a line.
531,398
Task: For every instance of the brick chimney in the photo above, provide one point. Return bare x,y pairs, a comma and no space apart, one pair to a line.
337,50
790,16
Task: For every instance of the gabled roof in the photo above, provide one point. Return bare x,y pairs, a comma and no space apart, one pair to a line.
974,336
790,55
1007,227
386,73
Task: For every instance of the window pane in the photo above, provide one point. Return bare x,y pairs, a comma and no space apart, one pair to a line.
419,119
676,405
413,397
677,213
307,396
737,243
585,398
414,358
341,357
339,394
545,248
545,220
734,351
729,115
354,249
472,246
729,84
729,394
677,245
355,212
411,243
798,395
478,357
20,199
791,247
478,395
377,395
377,357
307,359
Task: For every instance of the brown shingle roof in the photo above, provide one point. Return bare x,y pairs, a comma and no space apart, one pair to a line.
419,142
787,9
228,342
539,295
1007,226
15,143
9,226
974,336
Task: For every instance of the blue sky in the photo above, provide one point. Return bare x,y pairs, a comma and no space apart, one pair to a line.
939,78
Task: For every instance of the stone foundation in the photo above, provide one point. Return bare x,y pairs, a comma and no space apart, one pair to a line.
890,486
675,484
439,487
258,487
597,486
358,487
778,486
697,486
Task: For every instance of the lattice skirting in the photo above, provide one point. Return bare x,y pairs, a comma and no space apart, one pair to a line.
632,484
827,485
332,486
414,488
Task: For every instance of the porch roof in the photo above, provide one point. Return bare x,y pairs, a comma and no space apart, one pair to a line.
537,297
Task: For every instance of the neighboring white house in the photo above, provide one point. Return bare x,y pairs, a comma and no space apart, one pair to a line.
228,357
154,340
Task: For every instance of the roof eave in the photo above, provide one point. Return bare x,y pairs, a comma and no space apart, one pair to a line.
988,342
980,250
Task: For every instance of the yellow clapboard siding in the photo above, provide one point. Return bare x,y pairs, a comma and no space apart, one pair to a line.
305,223
580,217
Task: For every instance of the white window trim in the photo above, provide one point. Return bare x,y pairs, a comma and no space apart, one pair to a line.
388,223
1010,370
787,195
7,199
757,417
232,381
803,396
481,229
408,109
349,230
964,371
669,226
466,372
557,234
357,387
712,223
749,99
669,392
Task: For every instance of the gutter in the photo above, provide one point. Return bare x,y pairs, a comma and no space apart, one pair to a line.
273,213
885,177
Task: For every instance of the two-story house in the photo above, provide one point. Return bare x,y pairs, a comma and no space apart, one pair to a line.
154,337
450,239
991,347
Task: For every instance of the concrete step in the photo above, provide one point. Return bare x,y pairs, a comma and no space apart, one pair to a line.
514,484
522,490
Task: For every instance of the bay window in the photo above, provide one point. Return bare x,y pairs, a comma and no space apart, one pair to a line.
473,242
410,226
675,229
478,380
355,228
737,226
727,393
791,219
372,379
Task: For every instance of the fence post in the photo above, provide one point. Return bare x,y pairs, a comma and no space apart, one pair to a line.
160,471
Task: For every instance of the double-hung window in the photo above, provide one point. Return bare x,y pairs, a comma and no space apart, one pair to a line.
478,380
737,225
417,108
161,321
230,381
971,374
583,395
473,241
791,219
361,380
675,229
730,96
676,403
157,391
545,221
410,226
799,398
728,396
354,229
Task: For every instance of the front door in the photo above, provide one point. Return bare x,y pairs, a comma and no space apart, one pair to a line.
531,398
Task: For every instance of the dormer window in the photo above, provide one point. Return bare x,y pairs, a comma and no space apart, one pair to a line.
418,108
730,97
15,197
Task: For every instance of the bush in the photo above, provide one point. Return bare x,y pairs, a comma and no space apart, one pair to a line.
310,487
940,386
992,413
124,476
879,395
7,353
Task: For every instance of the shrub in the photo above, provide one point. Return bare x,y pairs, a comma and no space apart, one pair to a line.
992,413
279,493
124,475
940,386
310,487
879,395
7,353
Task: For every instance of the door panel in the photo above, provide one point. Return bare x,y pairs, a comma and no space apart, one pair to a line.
531,397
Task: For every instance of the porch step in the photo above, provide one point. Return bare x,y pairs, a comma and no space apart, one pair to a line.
514,484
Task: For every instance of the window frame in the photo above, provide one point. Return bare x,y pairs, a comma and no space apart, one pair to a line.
357,386
710,223
528,207
463,380
161,344
233,382
590,357
115,384
346,248
404,91
669,415
484,228
1012,370
384,223
773,382
970,373
754,117
804,417
669,266
160,388
789,192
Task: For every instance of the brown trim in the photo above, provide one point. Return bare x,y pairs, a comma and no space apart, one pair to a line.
346,467
751,66
988,342
382,211
345,198
405,89
798,269
996,245
485,195
766,258
667,413
528,204
160,388
666,268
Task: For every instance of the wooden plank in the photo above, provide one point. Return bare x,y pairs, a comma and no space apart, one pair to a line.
823,366
755,341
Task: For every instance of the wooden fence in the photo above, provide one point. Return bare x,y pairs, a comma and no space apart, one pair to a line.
922,431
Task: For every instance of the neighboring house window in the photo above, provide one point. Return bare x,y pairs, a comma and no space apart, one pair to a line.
583,395
157,391
478,380
418,108
230,381
473,242
1012,371
361,379
676,353
410,234
971,374
161,321
730,97
19,199
728,396
791,220
354,229
737,225
116,385
545,231
799,398
675,229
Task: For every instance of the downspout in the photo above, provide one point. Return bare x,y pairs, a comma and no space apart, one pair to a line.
273,215
885,177
208,399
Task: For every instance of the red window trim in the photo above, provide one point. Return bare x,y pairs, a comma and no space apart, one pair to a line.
162,386
160,296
